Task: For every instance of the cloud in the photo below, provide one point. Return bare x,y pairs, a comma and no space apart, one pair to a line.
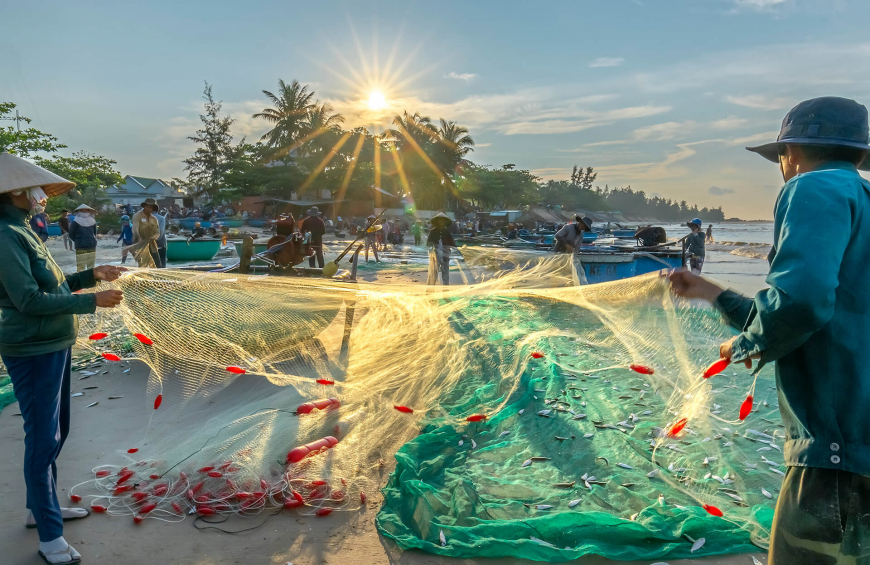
756,139
663,132
717,191
592,119
731,122
760,102
482,144
759,4
606,62
463,76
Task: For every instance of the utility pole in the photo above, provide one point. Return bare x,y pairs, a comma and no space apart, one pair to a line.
17,119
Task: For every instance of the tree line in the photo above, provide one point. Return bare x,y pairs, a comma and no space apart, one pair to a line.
307,149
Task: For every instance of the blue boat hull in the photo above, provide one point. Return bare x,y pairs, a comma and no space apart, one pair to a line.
607,267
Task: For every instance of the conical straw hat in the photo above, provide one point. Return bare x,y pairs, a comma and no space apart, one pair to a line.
16,174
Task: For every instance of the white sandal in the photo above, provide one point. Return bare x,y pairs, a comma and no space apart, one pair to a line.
74,556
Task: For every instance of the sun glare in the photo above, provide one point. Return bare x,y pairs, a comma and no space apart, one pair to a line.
377,101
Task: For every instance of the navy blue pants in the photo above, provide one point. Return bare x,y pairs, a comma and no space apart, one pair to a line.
41,384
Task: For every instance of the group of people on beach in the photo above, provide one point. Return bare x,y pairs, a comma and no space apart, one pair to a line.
813,322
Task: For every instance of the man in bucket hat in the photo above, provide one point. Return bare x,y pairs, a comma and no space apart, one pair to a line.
572,235
814,323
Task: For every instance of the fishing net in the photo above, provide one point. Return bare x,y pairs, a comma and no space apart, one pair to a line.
516,424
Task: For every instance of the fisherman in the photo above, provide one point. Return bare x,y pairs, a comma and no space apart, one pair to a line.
372,238
39,224
83,233
813,322
695,246
146,229
572,235
126,237
161,241
439,242
63,223
417,230
38,309
710,233
314,225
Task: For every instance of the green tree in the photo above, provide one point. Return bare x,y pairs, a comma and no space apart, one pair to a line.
93,174
215,152
27,141
454,143
292,103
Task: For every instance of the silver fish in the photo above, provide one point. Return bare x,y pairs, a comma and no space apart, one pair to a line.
443,538
646,413
706,439
77,394
473,445
565,485
764,449
728,444
624,466
755,561
527,462
652,473
561,438
587,485
544,412
734,496
708,475
765,493
698,545
540,390
92,404
543,506
720,479
574,503
460,443
521,411
587,436
777,471
504,433
633,517
542,542
661,500
579,417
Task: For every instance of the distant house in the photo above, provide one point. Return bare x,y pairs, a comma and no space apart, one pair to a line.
135,190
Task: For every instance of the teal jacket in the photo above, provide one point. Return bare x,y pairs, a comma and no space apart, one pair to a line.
814,320
37,307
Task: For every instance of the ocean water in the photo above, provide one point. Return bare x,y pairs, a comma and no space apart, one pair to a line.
737,257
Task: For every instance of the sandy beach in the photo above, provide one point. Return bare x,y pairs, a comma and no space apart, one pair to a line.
279,538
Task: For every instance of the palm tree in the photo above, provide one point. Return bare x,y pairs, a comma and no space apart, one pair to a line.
418,128
291,107
456,142
319,120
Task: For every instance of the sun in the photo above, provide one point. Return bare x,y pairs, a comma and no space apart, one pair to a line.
377,101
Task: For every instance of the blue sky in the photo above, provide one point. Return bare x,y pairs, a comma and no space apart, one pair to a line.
658,94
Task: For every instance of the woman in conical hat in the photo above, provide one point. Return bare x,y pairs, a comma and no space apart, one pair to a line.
439,242
38,309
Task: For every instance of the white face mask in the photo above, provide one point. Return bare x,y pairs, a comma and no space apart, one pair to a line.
35,196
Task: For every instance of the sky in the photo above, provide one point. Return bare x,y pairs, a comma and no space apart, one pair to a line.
661,95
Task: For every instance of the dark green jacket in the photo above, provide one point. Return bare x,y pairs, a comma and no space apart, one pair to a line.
37,307
814,320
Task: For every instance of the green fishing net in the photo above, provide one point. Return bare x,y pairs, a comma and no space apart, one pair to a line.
516,425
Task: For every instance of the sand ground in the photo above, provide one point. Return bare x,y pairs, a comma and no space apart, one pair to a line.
347,538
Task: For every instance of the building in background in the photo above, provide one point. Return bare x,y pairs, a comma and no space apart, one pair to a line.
135,190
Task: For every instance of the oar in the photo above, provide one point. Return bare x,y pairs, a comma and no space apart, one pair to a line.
332,267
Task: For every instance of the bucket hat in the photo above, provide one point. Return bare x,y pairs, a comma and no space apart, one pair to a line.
696,221
149,202
586,220
829,120
18,174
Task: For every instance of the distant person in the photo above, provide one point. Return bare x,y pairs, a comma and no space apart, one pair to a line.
146,230
710,233
125,237
512,232
572,235
161,241
83,233
39,224
63,223
650,236
314,225
695,246
813,322
372,238
440,241
38,308
417,230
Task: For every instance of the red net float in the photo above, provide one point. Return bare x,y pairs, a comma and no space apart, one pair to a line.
678,427
294,501
746,407
642,369
138,519
101,474
716,368
158,401
300,453
75,498
713,510
110,357
326,404
215,474
476,418
537,355
324,512
98,508
98,336
362,497
143,339
125,476
176,507
147,508
133,450
204,510
327,382
139,496
404,409
236,370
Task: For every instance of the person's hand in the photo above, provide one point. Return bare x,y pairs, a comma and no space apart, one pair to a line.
726,352
687,284
108,273
109,298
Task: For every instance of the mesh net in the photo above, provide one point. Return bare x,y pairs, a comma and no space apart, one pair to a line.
516,424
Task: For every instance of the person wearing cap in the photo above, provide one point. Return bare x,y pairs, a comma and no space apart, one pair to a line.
372,237
63,224
126,237
37,329
572,235
146,230
83,233
695,246
314,225
813,322
440,241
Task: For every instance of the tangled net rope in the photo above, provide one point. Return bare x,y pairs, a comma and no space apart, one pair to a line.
527,416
